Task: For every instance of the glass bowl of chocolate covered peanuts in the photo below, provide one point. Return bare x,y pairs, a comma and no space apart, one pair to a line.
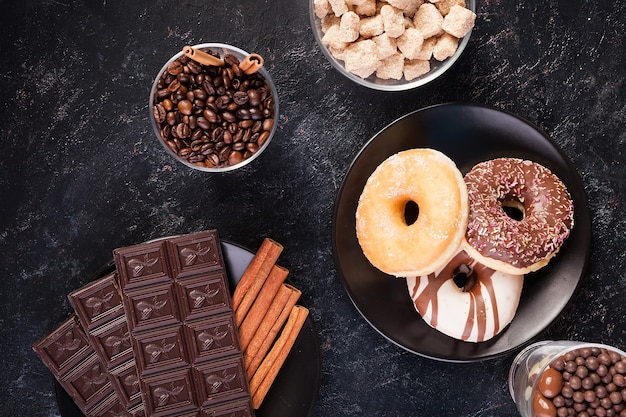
392,45
569,378
213,107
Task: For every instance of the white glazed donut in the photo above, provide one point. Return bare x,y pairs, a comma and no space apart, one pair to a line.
474,312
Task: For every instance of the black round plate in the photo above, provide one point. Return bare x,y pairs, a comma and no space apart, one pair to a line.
468,134
295,389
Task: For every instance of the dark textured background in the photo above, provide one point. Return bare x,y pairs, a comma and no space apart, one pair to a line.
83,174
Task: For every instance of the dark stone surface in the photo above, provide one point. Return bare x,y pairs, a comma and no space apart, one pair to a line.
83,173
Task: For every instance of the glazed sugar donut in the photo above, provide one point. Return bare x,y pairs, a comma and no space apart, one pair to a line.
543,215
423,181
466,300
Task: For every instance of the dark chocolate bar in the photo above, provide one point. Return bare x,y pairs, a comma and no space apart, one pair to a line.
179,314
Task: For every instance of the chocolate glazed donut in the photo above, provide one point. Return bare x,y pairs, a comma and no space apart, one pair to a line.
520,214
465,299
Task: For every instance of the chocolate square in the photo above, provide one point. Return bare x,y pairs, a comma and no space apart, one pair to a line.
220,381
63,348
160,350
89,383
168,394
151,307
97,302
112,342
125,380
141,265
203,296
211,338
195,253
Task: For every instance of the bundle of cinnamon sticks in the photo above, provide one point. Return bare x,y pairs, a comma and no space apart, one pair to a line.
267,317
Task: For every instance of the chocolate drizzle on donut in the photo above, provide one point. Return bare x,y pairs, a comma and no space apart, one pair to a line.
478,274
545,205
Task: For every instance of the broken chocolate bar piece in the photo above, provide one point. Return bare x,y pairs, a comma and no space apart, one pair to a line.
76,366
97,303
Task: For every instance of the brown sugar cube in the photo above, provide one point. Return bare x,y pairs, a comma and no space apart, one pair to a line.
445,47
428,20
415,68
355,2
367,8
349,27
360,58
408,7
321,7
410,43
412,7
371,26
445,5
459,21
338,7
426,52
393,20
391,67
332,38
337,52
385,46
330,20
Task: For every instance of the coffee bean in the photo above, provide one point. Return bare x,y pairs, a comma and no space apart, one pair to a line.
175,68
159,113
240,97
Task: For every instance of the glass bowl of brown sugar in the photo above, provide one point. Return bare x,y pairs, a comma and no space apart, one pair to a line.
392,45
213,107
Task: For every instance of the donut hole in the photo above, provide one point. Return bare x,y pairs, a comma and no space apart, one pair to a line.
411,212
464,277
514,209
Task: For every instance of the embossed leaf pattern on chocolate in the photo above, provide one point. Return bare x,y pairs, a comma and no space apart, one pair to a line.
207,338
117,343
132,381
164,394
199,297
189,255
96,303
96,379
138,267
146,308
217,382
156,351
66,347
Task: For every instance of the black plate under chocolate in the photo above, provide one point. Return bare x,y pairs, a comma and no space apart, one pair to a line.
295,389
468,134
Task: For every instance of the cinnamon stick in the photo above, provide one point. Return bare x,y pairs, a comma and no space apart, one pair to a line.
273,321
266,374
255,274
261,305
